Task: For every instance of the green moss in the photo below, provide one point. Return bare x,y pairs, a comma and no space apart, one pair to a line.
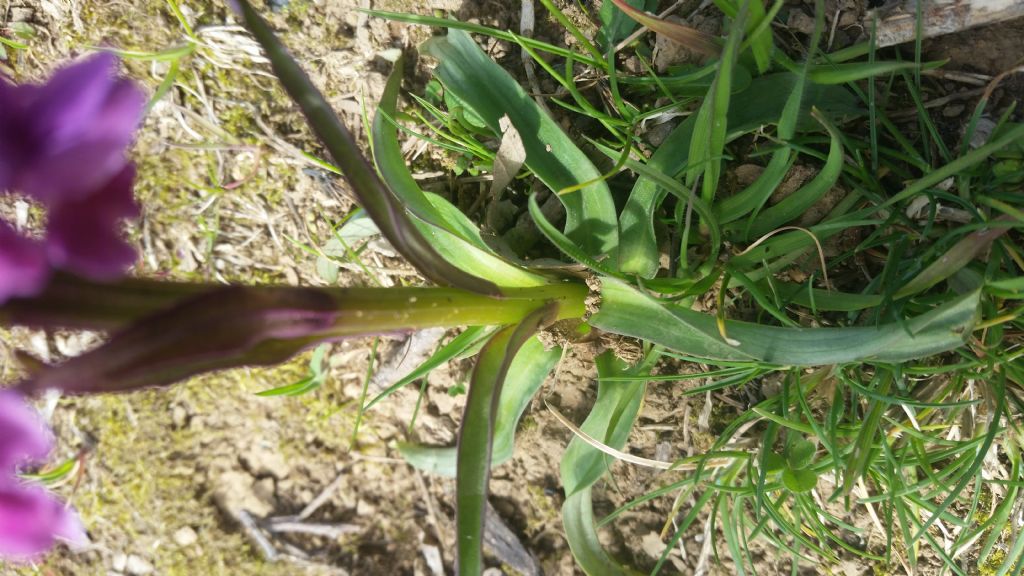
992,563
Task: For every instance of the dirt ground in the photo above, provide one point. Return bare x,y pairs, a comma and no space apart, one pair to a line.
172,481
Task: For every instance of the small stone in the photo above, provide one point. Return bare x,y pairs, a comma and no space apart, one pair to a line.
119,562
953,110
364,508
179,416
652,544
138,566
800,22
185,536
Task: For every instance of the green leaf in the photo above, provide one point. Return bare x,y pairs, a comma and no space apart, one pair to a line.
761,104
616,26
799,480
800,454
529,369
469,340
378,201
625,310
316,377
53,475
709,132
580,532
792,206
854,71
473,465
591,220
452,235
610,421
958,256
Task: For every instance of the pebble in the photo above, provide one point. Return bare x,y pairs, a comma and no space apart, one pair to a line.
119,562
185,536
138,566
953,110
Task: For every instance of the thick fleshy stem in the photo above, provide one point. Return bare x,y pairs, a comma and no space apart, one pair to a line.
164,332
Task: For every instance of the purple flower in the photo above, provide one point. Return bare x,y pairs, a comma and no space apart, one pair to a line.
63,144
23,435
82,235
65,139
31,519
23,268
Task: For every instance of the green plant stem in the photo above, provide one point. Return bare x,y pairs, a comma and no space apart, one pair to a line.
72,302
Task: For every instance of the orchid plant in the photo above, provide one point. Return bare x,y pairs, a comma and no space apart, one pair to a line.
84,117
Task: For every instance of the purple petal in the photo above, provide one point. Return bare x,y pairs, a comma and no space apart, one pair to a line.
32,520
64,139
23,267
24,437
83,236
72,97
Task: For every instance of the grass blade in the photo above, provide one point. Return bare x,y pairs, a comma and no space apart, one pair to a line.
689,37
709,132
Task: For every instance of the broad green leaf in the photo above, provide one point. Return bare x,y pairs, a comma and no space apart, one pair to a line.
792,206
567,246
752,198
373,195
609,421
473,466
800,454
529,369
625,310
580,532
451,233
616,26
591,219
761,104
799,480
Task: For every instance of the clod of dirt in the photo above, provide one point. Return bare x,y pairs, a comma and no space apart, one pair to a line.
261,461
236,491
